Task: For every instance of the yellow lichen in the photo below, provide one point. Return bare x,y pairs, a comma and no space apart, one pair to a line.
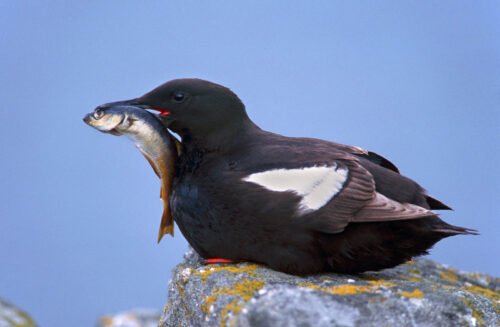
485,292
208,270
180,288
416,293
449,275
310,285
350,289
381,283
413,279
232,307
209,301
244,289
476,313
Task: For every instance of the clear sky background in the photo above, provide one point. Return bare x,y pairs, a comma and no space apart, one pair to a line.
418,82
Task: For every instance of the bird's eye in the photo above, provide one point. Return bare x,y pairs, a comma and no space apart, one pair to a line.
98,113
179,96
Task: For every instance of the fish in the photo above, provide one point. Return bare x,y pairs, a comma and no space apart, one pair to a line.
152,139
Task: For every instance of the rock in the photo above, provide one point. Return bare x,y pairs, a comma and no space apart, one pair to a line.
11,316
419,293
131,318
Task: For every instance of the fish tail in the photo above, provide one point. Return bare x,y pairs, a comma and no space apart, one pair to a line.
167,223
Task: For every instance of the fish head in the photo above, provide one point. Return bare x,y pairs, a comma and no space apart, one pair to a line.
108,119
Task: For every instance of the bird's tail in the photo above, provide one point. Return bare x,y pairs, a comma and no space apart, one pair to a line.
450,230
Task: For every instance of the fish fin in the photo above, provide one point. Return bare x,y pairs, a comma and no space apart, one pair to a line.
166,226
152,163
167,222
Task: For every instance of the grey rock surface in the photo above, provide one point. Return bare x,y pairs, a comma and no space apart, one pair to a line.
419,293
12,316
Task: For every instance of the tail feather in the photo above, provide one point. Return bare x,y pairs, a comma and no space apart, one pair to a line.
451,230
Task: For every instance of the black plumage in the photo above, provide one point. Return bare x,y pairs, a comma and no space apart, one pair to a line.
377,219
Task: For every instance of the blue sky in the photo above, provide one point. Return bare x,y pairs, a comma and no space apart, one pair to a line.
418,82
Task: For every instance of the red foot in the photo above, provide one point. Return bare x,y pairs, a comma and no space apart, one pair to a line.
217,260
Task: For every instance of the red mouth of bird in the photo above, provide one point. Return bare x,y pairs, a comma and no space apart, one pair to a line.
163,112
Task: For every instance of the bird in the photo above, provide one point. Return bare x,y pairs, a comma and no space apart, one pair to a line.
297,205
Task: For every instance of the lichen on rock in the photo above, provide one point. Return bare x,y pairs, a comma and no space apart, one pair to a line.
419,293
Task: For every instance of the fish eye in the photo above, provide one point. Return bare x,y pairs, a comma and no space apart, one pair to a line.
179,96
98,113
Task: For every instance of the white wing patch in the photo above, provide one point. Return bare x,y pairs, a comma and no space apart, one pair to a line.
316,185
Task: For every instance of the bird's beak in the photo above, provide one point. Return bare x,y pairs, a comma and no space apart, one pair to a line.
136,103
163,112
132,102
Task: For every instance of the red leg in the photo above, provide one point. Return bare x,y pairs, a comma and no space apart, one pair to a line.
217,260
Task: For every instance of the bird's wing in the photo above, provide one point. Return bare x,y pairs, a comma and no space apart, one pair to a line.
368,155
381,161
358,201
334,194
378,162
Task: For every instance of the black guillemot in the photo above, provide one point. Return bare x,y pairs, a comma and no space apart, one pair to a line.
297,205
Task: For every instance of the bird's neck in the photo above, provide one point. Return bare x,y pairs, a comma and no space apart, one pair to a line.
221,140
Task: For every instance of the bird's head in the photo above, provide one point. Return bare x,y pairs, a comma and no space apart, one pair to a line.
195,108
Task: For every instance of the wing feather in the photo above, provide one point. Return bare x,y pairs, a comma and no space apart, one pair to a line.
381,208
359,202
